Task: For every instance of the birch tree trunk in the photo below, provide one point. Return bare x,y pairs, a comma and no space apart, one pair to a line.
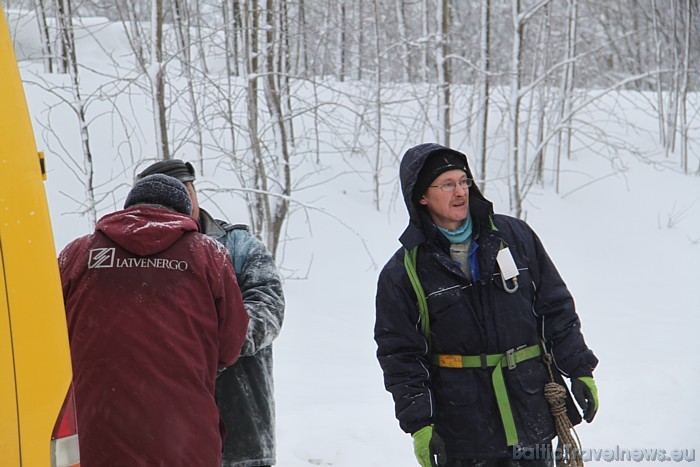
62,47
285,69
516,56
425,42
200,38
567,89
443,69
484,88
360,40
542,104
132,28
47,58
341,51
659,77
684,88
378,109
157,78
182,30
275,48
403,37
229,39
257,205
302,53
65,29
673,100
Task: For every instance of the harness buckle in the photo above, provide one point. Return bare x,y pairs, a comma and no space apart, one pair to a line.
510,359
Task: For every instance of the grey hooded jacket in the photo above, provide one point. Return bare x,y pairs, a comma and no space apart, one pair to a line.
245,392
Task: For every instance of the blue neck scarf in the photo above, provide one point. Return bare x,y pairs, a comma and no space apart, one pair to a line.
461,234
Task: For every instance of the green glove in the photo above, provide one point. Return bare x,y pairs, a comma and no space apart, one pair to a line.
427,444
586,395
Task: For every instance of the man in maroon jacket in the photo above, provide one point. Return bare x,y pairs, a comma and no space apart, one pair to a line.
154,310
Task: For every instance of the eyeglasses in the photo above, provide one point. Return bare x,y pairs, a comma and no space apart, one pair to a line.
451,186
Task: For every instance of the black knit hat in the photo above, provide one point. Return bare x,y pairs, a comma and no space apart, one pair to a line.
161,190
183,171
436,164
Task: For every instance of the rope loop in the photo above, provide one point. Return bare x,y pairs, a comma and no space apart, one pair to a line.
568,452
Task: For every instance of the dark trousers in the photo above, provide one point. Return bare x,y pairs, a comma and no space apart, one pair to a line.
542,456
502,462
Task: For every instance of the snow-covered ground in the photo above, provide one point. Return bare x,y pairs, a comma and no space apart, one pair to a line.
626,238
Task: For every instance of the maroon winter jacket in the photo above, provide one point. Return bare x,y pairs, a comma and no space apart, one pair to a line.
153,310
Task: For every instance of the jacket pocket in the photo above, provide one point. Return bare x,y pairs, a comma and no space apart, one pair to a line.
530,408
530,385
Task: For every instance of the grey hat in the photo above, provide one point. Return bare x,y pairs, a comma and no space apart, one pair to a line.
161,190
183,171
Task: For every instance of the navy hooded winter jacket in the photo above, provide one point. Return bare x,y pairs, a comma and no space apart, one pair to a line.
471,319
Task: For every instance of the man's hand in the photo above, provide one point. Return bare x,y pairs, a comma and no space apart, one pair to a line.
586,395
427,445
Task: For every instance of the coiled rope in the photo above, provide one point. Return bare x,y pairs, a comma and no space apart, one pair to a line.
568,452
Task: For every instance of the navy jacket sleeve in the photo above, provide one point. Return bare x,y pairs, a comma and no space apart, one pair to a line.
402,350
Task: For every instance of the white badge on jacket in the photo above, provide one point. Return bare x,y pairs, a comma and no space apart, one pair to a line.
506,264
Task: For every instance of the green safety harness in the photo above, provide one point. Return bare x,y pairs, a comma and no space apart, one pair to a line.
508,359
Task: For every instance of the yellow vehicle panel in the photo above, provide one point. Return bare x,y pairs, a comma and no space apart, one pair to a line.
34,351
9,429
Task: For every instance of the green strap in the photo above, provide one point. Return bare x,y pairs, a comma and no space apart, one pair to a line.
509,359
409,260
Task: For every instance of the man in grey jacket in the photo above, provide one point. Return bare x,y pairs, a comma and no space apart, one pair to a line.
245,390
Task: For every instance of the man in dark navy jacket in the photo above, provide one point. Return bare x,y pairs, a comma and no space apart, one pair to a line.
467,373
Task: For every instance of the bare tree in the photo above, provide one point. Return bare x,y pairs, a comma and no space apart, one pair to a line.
658,49
519,18
62,11
65,29
516,57
567,86
222,78
342,46
403,35
683,95
133,28
484,88
361,38
276,47
425,43
302,42
542,96
156,75
44,35
182,30
199,28
378,109
443,70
